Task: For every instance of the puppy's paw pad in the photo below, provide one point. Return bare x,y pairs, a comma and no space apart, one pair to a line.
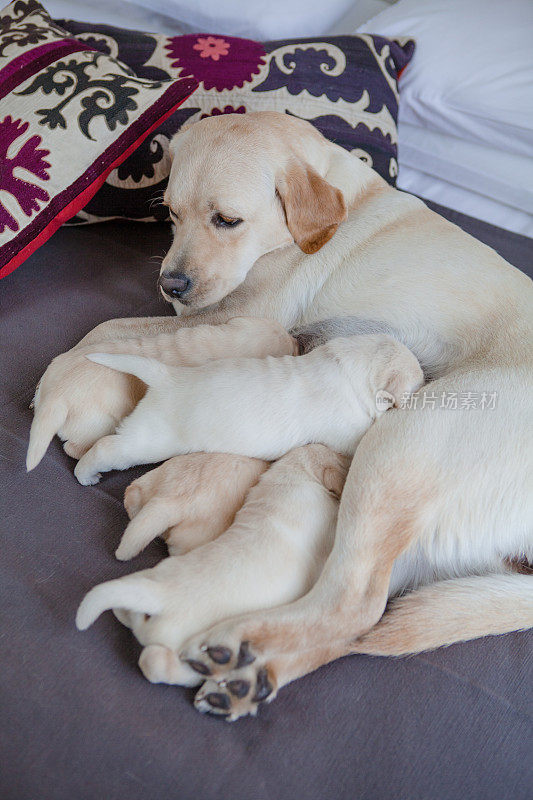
217,659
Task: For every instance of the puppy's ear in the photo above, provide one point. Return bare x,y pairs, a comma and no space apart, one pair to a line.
334,479
397,373
313,207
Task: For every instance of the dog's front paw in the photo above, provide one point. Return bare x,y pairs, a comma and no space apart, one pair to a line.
240,693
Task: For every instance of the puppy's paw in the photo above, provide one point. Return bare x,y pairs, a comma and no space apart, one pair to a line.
160,664
240,693
85,474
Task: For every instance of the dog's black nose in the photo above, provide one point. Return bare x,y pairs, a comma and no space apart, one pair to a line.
175,285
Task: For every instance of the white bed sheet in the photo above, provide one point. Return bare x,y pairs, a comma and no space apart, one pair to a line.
465,133
466,201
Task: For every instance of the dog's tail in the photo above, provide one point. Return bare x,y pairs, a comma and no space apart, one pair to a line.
135,592
451,611
149,370
49,417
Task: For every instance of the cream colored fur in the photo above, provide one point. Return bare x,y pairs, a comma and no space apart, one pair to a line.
82,401
189,500
254,407
272,554
435,497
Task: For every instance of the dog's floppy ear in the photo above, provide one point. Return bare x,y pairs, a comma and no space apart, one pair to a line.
313,207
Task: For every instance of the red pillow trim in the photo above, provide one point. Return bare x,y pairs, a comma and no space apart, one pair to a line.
66,204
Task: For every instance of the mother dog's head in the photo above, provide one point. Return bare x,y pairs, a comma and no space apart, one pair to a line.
242,186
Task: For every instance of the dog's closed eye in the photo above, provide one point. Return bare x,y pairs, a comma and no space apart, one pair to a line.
222,221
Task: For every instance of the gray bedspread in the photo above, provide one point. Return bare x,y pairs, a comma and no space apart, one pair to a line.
78,720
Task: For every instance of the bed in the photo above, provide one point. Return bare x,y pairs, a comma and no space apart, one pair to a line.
78,718
79,721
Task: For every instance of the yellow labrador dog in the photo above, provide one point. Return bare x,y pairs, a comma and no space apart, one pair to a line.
272,220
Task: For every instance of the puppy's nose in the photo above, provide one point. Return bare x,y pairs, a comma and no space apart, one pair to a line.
175,284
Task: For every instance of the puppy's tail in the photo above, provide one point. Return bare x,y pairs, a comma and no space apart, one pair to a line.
149,370
451,611
49,418
133,592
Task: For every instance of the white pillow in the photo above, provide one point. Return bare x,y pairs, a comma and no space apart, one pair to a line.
472,72
253,19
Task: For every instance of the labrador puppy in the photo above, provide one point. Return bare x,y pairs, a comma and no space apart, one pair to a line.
272,554
82,401
256,407
177,500
189,501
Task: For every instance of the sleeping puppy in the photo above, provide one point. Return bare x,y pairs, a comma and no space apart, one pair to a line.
189,500
178,500
258,408
83,401
272,554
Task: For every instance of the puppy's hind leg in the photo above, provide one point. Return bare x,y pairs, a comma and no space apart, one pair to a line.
160,664
79,442
153,520
111,452
388,501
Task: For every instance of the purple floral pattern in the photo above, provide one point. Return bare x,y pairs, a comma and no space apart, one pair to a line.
217,62
216,112
85,107
346,86
29,157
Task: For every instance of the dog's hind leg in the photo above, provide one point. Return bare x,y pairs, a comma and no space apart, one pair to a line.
115,452
462,499
433,616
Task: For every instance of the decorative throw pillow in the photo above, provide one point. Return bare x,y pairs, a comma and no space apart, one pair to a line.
69,114
347,86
